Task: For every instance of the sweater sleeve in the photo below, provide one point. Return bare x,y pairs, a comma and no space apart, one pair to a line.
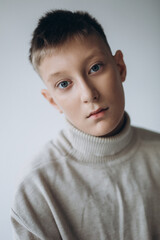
20,231
33,210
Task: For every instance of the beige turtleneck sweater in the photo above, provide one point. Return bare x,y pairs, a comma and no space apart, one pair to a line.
91,188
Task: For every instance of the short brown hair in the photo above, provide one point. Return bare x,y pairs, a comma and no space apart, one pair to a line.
57,26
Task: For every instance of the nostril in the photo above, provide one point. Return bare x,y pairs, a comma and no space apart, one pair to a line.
90,98
88,93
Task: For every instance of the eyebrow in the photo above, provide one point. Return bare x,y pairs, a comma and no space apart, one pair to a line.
54,75
94,55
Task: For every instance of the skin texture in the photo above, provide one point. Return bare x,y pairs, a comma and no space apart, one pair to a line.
82,76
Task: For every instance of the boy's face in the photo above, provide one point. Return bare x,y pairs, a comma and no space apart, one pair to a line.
84,81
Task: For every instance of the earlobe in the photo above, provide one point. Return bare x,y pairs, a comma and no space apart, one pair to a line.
118,57
46,94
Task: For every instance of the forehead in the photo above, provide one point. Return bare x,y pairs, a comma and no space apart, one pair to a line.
87,42
76,51
90,42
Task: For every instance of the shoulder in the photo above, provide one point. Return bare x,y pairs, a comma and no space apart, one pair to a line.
36,191
41,174
147,135
49,155
149,141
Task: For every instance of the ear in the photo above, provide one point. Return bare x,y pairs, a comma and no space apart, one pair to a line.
118,57
46,94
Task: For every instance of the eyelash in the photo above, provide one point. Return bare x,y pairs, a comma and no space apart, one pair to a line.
58,85
97,64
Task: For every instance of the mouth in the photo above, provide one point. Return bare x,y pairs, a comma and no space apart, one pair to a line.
97,112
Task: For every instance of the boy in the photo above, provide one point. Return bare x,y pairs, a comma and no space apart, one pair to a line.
101,178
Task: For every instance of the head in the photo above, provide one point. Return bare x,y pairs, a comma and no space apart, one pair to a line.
70,52
56,28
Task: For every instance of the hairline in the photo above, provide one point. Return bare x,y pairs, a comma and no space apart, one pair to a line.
37,56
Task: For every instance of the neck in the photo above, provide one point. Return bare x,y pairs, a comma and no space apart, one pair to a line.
119,127
88,145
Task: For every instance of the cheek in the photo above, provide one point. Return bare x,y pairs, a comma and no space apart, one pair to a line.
69,107
69,102
111,87
66,101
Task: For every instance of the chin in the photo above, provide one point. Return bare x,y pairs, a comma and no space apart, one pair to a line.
101,132
104,129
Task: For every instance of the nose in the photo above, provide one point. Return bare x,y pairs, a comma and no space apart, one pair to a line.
88,92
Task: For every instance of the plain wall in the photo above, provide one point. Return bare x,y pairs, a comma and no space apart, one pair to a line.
27,121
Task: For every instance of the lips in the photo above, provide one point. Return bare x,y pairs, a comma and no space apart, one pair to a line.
97,111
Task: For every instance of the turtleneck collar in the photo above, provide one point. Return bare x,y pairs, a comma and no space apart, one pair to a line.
91,146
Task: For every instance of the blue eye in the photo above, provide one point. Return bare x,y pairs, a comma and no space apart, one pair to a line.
64,84
95,68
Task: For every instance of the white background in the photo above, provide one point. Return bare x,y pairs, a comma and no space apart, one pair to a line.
27,121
